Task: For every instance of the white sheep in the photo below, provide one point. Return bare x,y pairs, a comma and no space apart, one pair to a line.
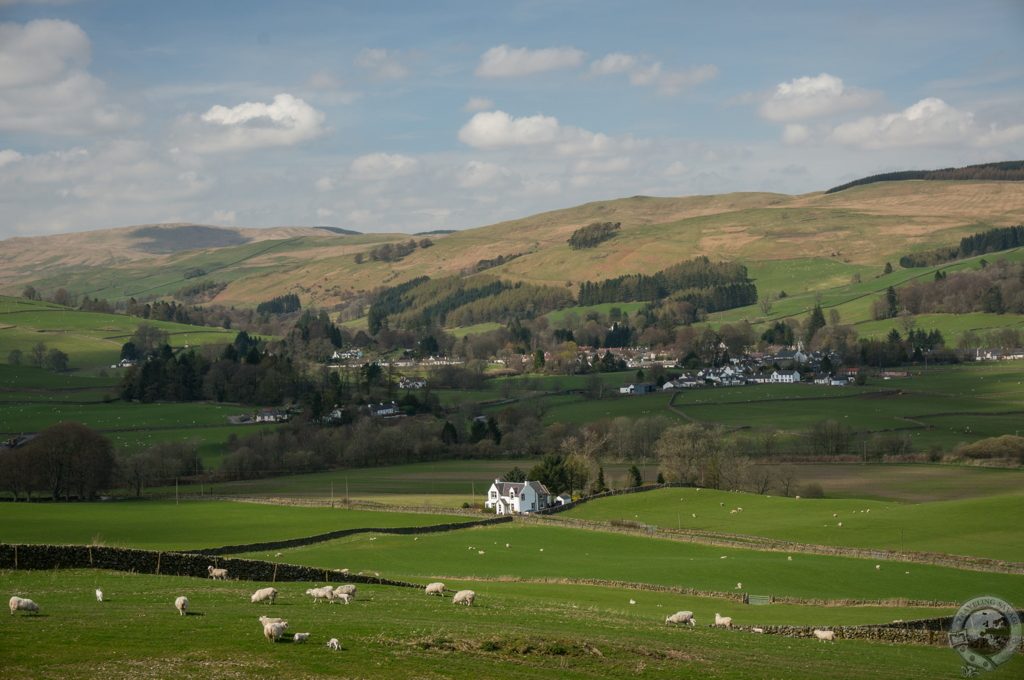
181,604
24,604
217,574
632,601
323,593
825,635
840,524
274,631
739,585
264,620
465,597
723,621
877,567
682,617
346,589
300,637
722,505
732,512
435,589
99,595
264,595
342,597
789,558
757,630
333,644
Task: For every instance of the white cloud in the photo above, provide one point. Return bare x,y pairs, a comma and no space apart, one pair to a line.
378,166
814,96
676,168
382,63
8,156
602,166
794,133
479,173
646,73
45,85
478,104
287,120
223,217
930,121
615,62
324,184
509,62
497,129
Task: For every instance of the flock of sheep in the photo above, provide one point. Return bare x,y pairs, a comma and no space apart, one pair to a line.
686,618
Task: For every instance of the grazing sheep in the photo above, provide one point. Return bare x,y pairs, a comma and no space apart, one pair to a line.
24,604
480,552
343,571
739,585
724,557
877,567
839,524
300,637
274,631
798,497
789,558
342,597
323,593
465,597
264,595
825,635
333,644
542,549
682,617
264,620
739,509
99,595
632,601
722,505
757,630
181,604
835,514
723,621
507,545
732,512
217,574
346,589
693,515
435,589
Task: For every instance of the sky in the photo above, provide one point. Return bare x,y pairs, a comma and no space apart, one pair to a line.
412,116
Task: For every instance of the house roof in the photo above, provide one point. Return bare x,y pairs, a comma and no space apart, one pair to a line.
515,488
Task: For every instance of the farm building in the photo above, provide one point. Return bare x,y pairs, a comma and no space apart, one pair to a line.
271,415
382,410
638,388
517,497
406,383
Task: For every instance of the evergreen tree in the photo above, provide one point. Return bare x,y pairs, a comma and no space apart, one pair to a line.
635,478
814,322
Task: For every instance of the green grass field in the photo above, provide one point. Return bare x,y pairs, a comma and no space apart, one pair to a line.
943,526
137,633
166,525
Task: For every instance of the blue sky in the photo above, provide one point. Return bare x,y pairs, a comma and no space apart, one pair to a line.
408,116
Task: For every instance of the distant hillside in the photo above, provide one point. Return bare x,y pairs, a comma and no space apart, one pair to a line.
1012,171
175,238
339,230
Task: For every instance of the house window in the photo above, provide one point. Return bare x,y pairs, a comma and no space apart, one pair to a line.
494,494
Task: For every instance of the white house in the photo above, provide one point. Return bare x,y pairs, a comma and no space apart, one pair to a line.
271,415
563,499
517,497
383,410
788,377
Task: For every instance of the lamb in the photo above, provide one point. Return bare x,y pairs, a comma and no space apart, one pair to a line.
825,635
274,631
333,644
99,595
435,589
342,597
264,595
346,589
682,617
300,637
24,604
465,597
217,574
723,621
323,593
181,604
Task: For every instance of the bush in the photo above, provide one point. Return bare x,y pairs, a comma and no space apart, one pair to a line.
813,490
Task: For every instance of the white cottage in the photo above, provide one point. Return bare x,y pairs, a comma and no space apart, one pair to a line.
517,497
788,377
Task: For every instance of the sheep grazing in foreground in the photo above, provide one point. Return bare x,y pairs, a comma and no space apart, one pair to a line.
264,595
181,604
723,621
346,589
435,589
24,604
274,631
342,597
300,637
99,595
217,574
322,593
333,644
825,635
681,617
264,620
465,597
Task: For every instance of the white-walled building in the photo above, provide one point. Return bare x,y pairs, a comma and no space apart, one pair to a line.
517,497
785,377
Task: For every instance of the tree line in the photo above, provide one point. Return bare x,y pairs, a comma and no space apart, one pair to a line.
990,241
1004,171
723,285
996,288
282,304
593,234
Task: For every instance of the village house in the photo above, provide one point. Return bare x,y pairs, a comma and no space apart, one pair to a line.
507,498
271,415
382,410
407,383
638,388
785,377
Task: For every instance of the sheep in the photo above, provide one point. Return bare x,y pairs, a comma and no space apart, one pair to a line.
480,552
333,644
343,571
825,635
217,574
877,567
739,509
346,589
723,621
24,604
732,512
264,595
679,617
465,597
274,631
99,595
181,604
300,637
739,585
324,593
342,597
835,514
789,558
757,630
435,589
721,505
632,601
264,620
840,524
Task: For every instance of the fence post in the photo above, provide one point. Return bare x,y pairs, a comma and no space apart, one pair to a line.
90,555
15,557
158,562
273,579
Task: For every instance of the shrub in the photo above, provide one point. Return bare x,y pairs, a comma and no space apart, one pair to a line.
813,490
